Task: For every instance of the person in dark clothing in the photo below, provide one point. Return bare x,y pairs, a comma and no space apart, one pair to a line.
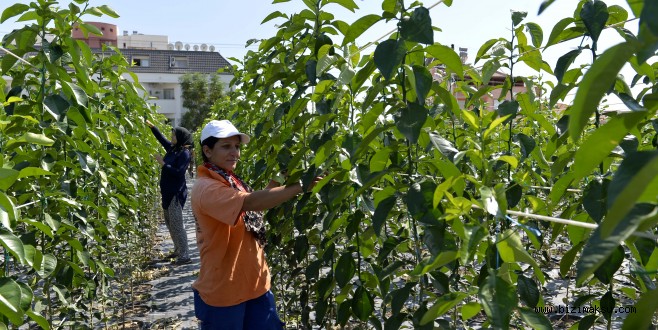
173,186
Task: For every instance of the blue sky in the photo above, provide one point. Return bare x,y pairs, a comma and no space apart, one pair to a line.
229,24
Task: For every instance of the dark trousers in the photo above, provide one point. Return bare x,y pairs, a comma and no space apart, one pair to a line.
255,314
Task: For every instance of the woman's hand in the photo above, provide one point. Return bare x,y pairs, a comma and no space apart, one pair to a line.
159,159
312,185
273,184
149,123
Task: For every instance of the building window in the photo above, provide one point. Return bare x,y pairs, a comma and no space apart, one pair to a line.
178,62
140,60
168,93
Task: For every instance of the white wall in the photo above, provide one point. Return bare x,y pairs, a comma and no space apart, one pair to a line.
143,41
172,109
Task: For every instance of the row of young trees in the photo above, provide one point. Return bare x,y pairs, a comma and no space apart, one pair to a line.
78,185
411,225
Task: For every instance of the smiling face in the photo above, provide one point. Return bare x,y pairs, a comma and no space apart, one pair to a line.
225,153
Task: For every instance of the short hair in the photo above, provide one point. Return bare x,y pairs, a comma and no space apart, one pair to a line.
210,142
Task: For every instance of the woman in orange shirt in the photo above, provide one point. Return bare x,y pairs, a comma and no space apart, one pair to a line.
233,287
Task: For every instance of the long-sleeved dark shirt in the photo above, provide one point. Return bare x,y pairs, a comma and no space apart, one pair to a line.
172,177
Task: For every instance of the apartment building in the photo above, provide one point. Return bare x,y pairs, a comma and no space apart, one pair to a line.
159,64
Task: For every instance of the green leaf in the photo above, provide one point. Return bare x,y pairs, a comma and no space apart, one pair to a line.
272,16
645,309
33,172
13,10
498,299
388,57
12,244
381,213
55,105
445,147
7,178
535,320
400,296
431,264
596,82
39,319
48,265
346,75
448,57
26,297
448,99
494,124
513,194
10,300
511,250
311,71
648,16
600,144
594,14
345,269
608,303
650,102
530,110
469,310
76,93
363,303
607,270
485,48
630,102
509,160
568,258
423,79
418,27
564,62
594,198
39,139
443,305
410,120
85,27
528,291
347,4
527,144
506,108
470,119
637,171
599,247
544,5
536,33
108,11
8,212
360,26
557,31
518,16
362,75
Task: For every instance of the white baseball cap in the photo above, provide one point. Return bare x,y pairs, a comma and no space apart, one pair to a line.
222,129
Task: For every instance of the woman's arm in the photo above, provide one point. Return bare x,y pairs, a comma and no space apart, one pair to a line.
273,196
268,198
158,135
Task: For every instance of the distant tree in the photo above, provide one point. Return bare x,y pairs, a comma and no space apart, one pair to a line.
200,92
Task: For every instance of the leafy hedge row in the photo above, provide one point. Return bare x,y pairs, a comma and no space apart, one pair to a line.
78,186
409,225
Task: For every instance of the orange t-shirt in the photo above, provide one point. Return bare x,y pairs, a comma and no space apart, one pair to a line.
233,265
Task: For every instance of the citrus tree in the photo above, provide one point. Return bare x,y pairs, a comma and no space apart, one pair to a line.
78,187
435,211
